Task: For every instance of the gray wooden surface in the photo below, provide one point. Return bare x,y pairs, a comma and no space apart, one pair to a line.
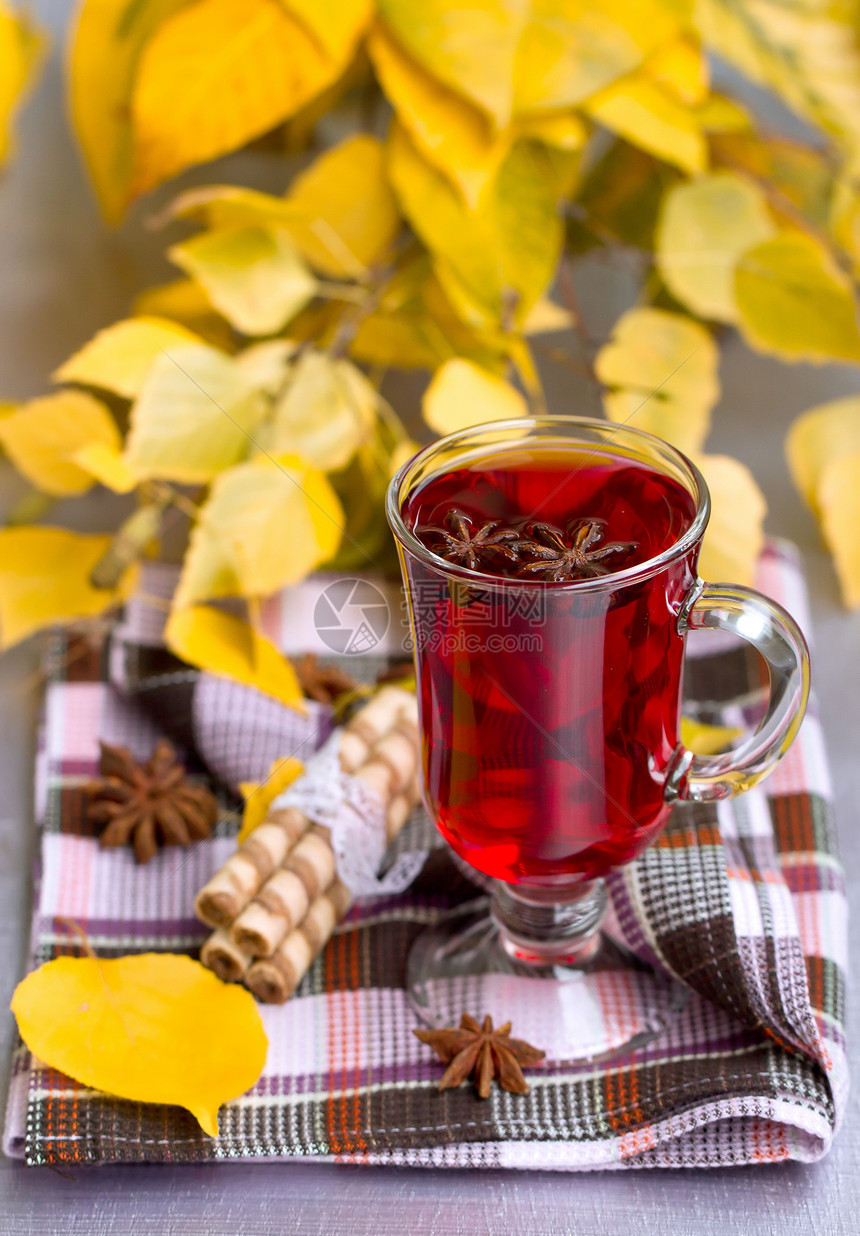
62,276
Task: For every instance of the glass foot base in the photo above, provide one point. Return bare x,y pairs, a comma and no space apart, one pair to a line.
603,1004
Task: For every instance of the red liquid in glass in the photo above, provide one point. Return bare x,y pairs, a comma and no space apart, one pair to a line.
550,711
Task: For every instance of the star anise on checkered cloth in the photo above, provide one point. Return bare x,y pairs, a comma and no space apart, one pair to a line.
323,683
483,1053
149,804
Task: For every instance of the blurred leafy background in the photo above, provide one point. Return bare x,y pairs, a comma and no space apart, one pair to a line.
442,174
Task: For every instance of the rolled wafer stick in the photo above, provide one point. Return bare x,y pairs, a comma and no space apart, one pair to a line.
280,905
307,870
281,926
223,956
219,901
274,979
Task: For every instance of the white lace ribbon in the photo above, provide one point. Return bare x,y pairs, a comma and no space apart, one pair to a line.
355,814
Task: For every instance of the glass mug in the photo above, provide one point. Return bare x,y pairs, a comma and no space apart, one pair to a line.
550,707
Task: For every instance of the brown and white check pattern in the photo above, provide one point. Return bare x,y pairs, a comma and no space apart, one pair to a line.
743,901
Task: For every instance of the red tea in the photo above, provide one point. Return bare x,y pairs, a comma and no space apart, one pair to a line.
549,708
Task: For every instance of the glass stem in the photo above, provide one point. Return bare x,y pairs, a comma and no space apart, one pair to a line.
540,927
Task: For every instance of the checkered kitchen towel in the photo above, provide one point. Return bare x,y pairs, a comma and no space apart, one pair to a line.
743,901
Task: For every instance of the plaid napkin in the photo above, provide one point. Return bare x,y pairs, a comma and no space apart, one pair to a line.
743,901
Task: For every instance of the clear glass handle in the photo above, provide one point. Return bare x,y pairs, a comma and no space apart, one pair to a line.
767,626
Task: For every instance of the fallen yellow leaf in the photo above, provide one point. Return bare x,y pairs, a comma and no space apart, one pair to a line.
461,395
118,358
42,438
154,1027
223,644
661,369
704,739
260,796
44,579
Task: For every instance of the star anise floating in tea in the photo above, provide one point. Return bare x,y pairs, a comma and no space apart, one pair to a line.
461,544
149,804
482,1053
580,556
533,550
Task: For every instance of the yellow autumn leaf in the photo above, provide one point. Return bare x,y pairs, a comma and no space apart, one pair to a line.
43,436
820,435
266,523
215,75
807,53
253,275
184,301
661,371
106,41
259,796
648,115
337,25
705,227
494,261
106,464
265,364
680,66
44,579
703,739
224,644
118,358
455,135
514,58
230,206
196,414
461,395
343,215
153,1027
327,410
416,327
795,302
21,47
839,500
734,537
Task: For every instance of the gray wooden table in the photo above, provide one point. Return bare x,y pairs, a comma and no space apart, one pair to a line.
62,276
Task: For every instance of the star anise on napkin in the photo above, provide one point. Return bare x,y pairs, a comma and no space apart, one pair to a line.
580,556
323,683
482,1052
148,804
461,543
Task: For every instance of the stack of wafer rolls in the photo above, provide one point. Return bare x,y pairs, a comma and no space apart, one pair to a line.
276,902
